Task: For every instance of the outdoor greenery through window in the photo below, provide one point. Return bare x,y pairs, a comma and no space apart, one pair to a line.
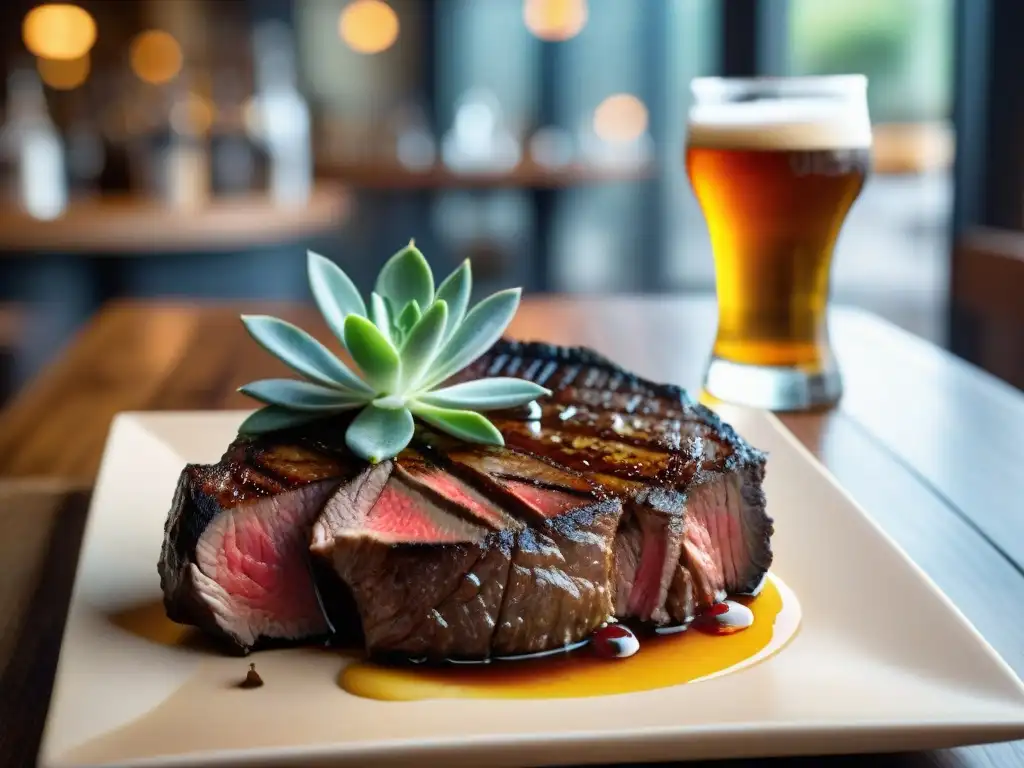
892,255
905,47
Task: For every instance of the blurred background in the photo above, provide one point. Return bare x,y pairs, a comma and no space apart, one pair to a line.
195,148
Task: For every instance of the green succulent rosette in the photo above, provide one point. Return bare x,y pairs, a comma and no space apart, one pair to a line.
405,342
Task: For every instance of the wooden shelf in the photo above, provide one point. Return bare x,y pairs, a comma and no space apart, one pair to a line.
912,148
129,225
898,148
526,175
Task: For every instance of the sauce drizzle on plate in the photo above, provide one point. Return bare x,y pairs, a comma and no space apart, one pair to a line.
712,645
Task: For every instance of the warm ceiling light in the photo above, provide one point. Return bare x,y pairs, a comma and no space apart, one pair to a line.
368,26
58,31
620,118
555,20
64,74
155,56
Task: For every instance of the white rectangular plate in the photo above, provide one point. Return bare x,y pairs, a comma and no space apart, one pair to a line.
882,660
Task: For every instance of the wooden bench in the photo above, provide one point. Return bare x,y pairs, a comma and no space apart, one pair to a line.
987,301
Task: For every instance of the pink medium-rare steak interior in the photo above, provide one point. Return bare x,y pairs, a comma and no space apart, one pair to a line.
434,589
615,496
463,496
404,514
234,560
251,567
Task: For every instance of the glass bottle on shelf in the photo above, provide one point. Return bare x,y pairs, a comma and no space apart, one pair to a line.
283,115
33,149
186,159
234,161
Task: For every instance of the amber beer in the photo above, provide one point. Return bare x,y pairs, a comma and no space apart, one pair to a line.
775,176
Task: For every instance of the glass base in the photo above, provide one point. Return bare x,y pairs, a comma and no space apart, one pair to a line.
772,388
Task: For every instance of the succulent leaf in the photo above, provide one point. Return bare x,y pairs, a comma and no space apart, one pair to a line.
409,317
406,277
455,290
379,433
377,358
303,395
301,352
465,425
482,327
273,417
485,394
381,315
421,345
335,294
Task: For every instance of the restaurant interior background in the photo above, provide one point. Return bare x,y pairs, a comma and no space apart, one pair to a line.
193,149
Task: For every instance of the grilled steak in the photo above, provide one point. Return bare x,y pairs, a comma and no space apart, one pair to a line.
615,496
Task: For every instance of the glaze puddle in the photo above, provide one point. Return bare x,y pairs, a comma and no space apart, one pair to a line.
722,641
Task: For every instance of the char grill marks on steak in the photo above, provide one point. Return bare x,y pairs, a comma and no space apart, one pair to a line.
694,525
614,496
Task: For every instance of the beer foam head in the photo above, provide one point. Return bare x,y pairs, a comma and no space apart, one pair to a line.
788,123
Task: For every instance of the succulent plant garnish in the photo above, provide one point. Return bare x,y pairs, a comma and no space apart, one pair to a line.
406,341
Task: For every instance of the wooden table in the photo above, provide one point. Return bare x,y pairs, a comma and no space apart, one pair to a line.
112,245
931,447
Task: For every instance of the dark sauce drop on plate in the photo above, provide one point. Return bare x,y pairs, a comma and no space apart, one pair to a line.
617,658
252,678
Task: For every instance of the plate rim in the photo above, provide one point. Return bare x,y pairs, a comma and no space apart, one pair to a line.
894,545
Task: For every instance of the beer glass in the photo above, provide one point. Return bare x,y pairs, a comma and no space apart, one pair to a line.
775,164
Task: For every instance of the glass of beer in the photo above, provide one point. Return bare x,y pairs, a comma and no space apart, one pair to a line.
775,164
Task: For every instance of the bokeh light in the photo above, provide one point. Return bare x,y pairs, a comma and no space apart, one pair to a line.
555,20
192,116
155,56
620,118
59,31
368,26
64,74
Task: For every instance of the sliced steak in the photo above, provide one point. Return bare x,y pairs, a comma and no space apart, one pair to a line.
680,602
427,571
631,436
626,551
438,569
660,514
613,496
729,507
235,555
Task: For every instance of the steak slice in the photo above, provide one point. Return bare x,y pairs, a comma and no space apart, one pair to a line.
661,522
235,555
427,580
440,568
560,584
